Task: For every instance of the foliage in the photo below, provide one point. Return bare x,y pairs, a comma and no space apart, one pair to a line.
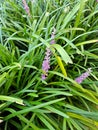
58,103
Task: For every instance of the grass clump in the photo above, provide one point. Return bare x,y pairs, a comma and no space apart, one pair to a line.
58,102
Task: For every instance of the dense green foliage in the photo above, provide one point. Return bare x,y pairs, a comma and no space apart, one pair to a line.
58,103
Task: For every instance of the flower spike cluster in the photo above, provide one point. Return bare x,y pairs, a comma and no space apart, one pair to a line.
83,76
46,61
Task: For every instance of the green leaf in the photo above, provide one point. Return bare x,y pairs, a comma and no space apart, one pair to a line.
71,44
63,53
3,78
70,16
33,108
87,42
61,66
54,110
75,124
11,99
47,124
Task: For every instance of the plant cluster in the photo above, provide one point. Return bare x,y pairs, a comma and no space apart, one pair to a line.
48,65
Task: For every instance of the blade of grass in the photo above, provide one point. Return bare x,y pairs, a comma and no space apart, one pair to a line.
11,99
33,107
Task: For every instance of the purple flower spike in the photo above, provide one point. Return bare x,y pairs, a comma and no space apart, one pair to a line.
26,7
83,76
46,62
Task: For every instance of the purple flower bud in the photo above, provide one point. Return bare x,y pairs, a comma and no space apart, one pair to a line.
26,7
53,36
83,76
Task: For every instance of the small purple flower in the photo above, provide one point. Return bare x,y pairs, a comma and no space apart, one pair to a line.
46,61
83,76
26,7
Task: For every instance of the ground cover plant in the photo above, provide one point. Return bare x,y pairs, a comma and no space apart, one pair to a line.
49,65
